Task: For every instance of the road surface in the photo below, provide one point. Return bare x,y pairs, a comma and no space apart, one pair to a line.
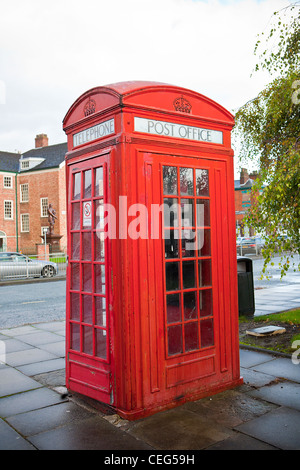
32,303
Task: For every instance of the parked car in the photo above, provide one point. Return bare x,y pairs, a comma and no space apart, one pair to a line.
13,265
249,245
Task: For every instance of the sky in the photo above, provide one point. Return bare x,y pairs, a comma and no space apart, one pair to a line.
53,51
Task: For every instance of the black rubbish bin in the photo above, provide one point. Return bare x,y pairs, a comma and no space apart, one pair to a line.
245,286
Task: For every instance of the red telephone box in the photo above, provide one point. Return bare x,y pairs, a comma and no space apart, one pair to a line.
152,310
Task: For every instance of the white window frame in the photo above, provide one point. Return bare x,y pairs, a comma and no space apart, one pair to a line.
7,178
22,192
44,208
24,164
11,210
22,224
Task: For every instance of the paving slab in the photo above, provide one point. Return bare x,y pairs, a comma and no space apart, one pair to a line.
280,428
229,408
259,312
11,440
46,419
13,345
272,308
58,348
94,433
28,401
282,393
51,326
280,367
28,356
40,338
178,429
269,330
241,442
252,358
42,367
254,378
19,330
12,381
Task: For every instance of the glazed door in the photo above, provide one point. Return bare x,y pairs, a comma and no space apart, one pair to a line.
187,259
190,272
88,329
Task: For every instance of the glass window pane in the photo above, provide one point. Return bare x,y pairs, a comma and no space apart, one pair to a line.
99,182
204,272
99,214
207,333
87,246
202,183
99,270
76,185
170,180
188,243
203,242
187,213
99,246
75,245
203,216
186,182
74,306
100,311
173,308
188,274
87,346
87,192
175,340
189,305
191,336
75,276
172,276
101,343
170,212
87,309
171,244
75,225
86,277
205,302
75,337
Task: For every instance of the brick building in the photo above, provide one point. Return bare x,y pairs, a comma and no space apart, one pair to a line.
243,200
29,182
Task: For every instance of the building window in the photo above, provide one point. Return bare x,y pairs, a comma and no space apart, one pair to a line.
24,222
7,181
25,192
8,210
44,207
25,164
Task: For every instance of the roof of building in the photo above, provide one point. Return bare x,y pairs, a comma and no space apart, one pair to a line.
52,155
247,185
9,161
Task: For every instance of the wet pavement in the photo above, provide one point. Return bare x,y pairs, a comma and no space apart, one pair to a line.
37,414
261,414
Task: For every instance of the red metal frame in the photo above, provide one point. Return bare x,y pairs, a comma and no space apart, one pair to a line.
139,376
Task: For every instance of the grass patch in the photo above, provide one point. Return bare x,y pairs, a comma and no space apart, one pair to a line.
290,320
291,316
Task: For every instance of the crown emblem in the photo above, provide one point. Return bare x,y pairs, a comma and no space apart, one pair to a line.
182,105
90,107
